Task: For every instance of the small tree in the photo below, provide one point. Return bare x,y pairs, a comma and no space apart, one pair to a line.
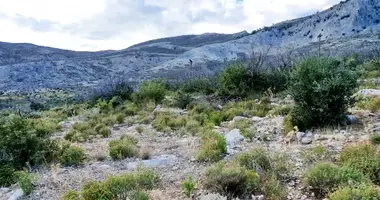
321,88
234,81
151,90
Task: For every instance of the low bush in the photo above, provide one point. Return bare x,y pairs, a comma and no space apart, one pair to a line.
72,155
122,148
152,90
371,104
364,158
71,195
22,143
254,159
26,181
375,139
182,99
327,177
213,146
163,121
362,191
193,126
318,153
273,189
95,190
105,132
206,85
139,129
230,180
120,118
188,186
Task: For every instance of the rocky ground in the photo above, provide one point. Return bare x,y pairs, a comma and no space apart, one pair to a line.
173,156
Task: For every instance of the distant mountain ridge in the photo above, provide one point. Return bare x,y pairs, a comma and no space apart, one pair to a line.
349,27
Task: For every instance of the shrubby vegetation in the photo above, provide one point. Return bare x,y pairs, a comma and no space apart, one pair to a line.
125,186
332,81
123,148
253,172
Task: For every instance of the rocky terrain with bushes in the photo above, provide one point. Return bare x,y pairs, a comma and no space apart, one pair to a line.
349,27
311,132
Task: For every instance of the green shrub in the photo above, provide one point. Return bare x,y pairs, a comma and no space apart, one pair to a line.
234,81
331,81
120,118
139,195
95,190
215,117
26,181
152,90
7,176
122,148
45,126
99,127
110,120
326,177
281,110
131,109
71,195
193,126
188,186
363,191
205,85
364,158
130,139
21,143
375,139
182,99
105,132
318,153
372,104
213,146
145,178
230,179
104,106
167,120
230,113
140,129
72,156
273,189
255,158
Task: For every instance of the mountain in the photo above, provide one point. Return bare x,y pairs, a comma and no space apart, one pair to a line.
350,27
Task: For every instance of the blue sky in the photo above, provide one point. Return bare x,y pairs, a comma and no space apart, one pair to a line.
116,24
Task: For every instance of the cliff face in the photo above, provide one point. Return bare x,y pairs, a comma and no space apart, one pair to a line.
349,27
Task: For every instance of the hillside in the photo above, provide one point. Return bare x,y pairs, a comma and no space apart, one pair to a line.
349,27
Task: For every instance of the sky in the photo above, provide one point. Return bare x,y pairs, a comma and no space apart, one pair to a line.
91,25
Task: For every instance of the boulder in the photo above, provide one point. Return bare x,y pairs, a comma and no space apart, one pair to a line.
257,119
238,118
352,120
234,137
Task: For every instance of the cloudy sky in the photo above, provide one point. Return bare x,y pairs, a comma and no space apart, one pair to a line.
117,24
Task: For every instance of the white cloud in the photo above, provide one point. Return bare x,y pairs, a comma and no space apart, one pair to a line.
117,24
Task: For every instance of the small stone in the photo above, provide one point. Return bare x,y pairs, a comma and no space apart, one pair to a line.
238,118
306,140
257,119
352,120
304,197
17,194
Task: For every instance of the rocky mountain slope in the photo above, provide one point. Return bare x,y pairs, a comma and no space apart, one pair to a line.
349,27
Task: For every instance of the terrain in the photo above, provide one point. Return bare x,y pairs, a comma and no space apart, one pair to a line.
349,27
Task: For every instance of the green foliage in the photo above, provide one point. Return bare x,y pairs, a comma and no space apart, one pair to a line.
363,191
255,158
200,85
22,143
72,155
281,110
238,80
7,176
327,177
273,189
234,81
164,121
26,181
230,179
213,146
193,126
152,90
182,99
364,158
188,186
120,118
318,153
95,190
105,132
122,148
71,195
140,129
321,89
375,139
104,106
372,104
139,195
80,132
